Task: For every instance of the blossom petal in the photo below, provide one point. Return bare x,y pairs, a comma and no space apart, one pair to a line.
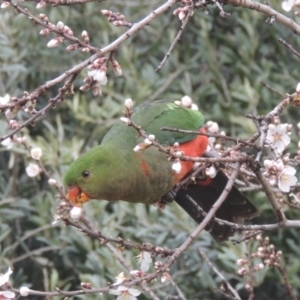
289,170
134,292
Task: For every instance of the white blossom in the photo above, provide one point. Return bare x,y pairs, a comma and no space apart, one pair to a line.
128,103
8,143
32,170
211,172
287,5
125,293
36,153
176,166
5,99
212,127
10,114
287,178
4,278
5,4
98,75
277,135
24,291
120,278
145,260
7,295
75,213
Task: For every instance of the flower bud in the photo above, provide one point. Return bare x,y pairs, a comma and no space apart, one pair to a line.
186,101
55,42
128,103
60,26
116,67
24,291
176,167
44,18
298,88
52,181
125,120
75,213
5,4
36,153
40,4
44,31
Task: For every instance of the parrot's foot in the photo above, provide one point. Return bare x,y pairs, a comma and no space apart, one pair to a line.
160,204
167,198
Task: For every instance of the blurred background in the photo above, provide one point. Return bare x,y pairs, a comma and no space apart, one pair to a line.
220,63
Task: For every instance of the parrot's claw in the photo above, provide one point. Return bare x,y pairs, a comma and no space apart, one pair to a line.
168,197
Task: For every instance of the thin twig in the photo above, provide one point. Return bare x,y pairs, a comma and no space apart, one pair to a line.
287,283
184,23
236,140
273,89
225,282
288,46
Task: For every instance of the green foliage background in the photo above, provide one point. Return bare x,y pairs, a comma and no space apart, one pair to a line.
219,62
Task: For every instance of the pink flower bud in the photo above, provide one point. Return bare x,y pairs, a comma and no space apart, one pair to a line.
72,47
44,18
44,31
85,87
60,26
55,42
5,4
116,67
67,30
128,103
106,13
137,273
41,4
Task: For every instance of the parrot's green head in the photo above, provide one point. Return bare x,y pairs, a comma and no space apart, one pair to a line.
88,176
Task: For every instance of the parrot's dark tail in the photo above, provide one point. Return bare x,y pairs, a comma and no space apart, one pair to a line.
234,209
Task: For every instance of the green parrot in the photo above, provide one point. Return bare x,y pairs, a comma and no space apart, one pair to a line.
114,171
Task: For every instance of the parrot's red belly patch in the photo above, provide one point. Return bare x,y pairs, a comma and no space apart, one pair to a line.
193,148
144,166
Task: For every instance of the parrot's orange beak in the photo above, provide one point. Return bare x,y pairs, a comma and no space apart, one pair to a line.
76,196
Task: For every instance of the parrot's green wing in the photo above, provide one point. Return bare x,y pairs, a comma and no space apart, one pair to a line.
153,116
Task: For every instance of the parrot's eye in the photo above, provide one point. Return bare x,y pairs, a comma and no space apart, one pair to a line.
85,174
